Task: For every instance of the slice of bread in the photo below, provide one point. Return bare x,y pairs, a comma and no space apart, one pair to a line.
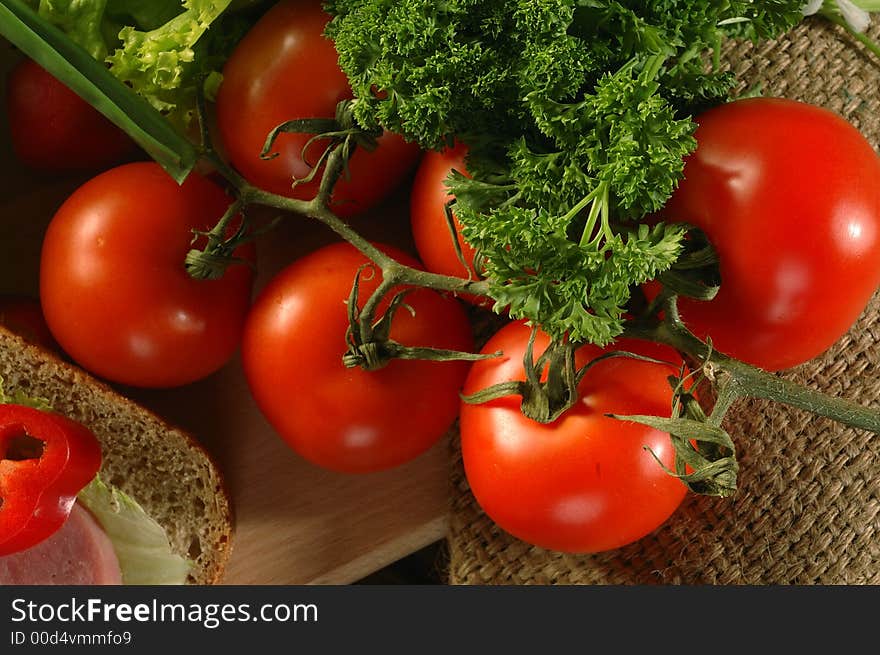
161,467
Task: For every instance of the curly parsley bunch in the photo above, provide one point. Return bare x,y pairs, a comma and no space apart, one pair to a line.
577,118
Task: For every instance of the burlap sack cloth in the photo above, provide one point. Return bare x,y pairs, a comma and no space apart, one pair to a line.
808,506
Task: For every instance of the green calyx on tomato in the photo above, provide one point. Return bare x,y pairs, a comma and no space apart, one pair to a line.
705,455
369,338
341,132
114,254
343,418
584,482
45,460
552,385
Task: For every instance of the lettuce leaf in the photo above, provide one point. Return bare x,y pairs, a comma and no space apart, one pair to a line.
161,64
141,544
162,49
81,20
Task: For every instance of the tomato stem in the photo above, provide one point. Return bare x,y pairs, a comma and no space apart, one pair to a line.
317,209
211,262
746,381
404,275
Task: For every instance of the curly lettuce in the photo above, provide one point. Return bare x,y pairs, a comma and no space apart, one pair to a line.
162,49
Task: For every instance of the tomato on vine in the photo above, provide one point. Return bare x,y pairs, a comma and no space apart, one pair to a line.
53,129
286,69
350,419
585,482
789,195
113,285
429,196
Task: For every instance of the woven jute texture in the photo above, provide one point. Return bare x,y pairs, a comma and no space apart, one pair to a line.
808,506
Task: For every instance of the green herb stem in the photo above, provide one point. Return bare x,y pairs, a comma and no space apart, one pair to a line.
599,199
862,38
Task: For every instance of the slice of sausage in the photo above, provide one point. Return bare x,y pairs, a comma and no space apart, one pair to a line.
80,553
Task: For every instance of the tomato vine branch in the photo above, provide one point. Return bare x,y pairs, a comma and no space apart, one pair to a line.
705,455
742,379
736,379
318,208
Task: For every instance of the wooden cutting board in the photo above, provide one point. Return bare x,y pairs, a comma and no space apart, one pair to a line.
296,523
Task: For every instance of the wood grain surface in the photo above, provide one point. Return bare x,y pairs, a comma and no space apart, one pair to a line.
295,523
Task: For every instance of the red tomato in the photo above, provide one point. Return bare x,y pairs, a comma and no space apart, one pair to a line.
285,69
789,194
349,419
53,129
430,227
114,288
584,483
24,316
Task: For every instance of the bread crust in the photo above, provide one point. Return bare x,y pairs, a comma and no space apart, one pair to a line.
165,469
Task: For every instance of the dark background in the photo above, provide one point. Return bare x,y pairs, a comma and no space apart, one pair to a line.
427,566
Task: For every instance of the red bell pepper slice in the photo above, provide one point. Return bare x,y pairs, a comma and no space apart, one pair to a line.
38,488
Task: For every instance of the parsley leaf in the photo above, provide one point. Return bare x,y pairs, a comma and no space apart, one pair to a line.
577,116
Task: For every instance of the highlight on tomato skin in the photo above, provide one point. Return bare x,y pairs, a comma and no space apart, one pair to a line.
789,195
586,482
113,285
350,420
